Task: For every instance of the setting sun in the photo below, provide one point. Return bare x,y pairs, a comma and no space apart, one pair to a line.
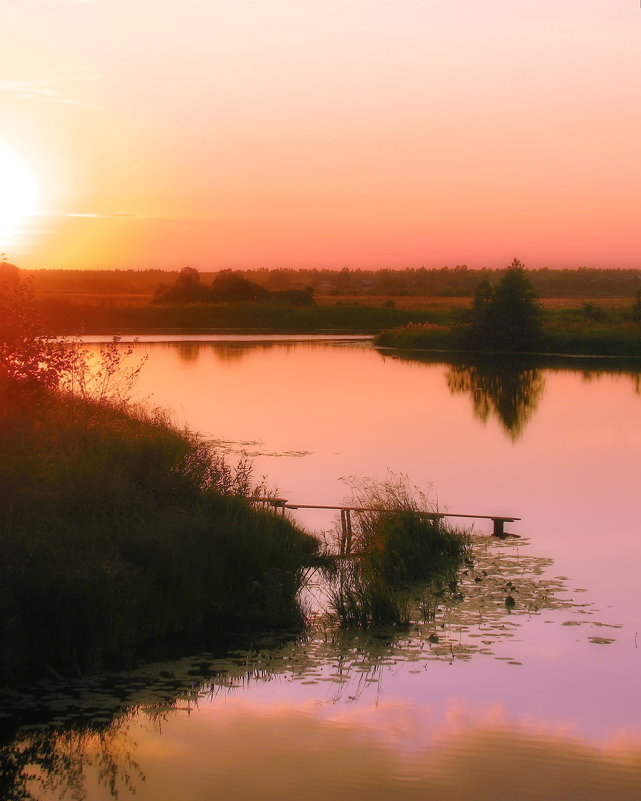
18,192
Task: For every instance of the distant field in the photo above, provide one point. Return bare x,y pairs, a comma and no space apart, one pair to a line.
427,303
97,298
410,302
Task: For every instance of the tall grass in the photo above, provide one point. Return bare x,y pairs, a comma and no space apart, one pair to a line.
117,530
397,541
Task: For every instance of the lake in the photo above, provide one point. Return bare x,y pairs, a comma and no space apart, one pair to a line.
476,701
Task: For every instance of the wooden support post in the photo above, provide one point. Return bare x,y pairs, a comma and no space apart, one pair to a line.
343,532
348,521
499,531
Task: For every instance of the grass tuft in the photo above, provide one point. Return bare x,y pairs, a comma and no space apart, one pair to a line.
401,542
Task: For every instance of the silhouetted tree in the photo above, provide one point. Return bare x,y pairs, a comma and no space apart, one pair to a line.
509,316
231,287
186,289
481,308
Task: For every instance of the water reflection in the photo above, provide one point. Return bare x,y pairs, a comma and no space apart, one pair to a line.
92,727
188,351
511,387
634,375
248,751
228,353
377,714
233,350
57,762
508,389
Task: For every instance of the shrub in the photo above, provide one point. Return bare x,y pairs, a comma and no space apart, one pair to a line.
232,287
186,289
29,356
593,311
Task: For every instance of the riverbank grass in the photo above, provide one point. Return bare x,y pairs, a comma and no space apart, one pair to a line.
563,333
118,530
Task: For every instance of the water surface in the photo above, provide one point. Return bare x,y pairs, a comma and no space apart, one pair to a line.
478,702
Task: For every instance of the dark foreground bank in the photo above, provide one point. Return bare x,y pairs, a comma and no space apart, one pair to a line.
118,530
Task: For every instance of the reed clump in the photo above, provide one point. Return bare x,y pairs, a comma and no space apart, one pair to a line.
398,541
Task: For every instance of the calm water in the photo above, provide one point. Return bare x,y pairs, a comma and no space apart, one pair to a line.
479,703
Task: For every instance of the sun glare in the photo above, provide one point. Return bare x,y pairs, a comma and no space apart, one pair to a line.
18,192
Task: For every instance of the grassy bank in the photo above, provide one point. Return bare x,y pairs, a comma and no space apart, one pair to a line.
565,332
118,530
72,318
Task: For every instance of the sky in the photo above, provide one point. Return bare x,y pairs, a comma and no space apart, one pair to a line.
320,133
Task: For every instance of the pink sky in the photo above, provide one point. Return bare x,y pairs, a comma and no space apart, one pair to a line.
360,133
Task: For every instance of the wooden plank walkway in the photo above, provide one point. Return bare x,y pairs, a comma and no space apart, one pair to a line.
281,504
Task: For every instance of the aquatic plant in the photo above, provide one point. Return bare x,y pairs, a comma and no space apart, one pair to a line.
397,538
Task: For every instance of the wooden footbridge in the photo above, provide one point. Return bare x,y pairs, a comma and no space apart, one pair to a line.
282,504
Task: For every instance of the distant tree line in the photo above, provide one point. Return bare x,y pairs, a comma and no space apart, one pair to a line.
227,287
460,281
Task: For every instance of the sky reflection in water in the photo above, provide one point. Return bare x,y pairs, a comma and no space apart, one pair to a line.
477,703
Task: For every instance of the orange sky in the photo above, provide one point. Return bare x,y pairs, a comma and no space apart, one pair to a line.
364,133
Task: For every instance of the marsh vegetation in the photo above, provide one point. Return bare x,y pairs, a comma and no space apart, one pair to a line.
398,539
117,528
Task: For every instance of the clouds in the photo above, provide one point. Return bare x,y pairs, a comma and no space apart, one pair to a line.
100,216
35,90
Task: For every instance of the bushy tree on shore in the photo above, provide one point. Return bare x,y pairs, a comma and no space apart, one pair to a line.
509,316
29,355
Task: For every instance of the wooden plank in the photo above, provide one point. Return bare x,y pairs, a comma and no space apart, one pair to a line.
283,503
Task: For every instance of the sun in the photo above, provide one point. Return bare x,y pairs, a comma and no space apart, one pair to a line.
18,193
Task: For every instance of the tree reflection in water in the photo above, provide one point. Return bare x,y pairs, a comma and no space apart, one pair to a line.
188,351
509,389
511,386
57,762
